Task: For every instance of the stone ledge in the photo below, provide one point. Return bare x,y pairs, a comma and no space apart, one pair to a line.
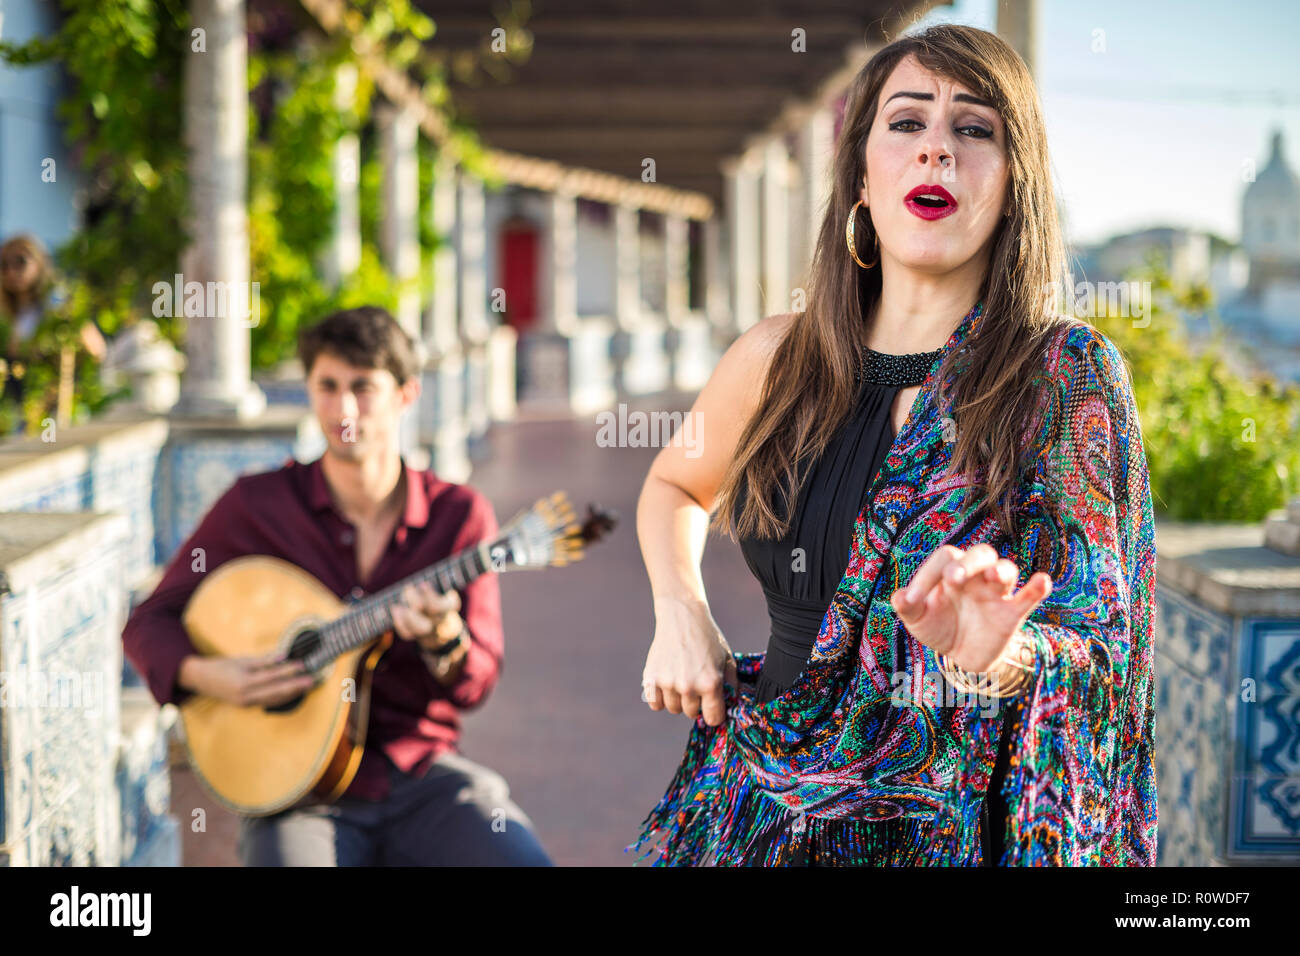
71,450
30,541
286,419
1227,568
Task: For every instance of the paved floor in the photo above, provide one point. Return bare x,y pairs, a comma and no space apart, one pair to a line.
585,758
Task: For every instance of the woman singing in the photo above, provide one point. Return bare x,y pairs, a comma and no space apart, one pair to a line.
941,487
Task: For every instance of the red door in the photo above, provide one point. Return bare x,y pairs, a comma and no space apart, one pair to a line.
519,262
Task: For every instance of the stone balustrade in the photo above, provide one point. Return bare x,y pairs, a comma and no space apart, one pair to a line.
1228,695
88,519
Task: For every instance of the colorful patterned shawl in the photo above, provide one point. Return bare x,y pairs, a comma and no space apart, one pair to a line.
869,738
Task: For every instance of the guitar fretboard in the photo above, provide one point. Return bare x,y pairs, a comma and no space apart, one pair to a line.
369,618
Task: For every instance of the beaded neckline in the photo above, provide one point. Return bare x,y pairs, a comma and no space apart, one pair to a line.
904,371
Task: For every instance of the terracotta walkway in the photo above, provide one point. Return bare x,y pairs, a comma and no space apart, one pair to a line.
585,758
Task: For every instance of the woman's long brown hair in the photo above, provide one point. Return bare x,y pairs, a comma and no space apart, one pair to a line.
810,383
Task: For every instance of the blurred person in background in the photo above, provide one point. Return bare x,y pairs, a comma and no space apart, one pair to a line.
359,519
27,293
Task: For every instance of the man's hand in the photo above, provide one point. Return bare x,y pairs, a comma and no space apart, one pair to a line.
245,681
427,617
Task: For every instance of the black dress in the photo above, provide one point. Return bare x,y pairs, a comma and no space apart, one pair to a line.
800,572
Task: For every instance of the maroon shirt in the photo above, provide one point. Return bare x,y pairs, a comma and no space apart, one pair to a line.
289,514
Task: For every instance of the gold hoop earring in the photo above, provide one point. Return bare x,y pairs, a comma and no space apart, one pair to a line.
853,248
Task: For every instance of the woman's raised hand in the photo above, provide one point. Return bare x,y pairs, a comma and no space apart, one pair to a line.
965,606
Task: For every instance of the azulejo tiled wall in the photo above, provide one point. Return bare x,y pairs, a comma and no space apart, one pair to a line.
1228,698
78,787
113,470
1192,742
1265,797
61,620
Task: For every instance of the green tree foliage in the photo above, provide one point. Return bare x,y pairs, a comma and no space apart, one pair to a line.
1222,443
123,119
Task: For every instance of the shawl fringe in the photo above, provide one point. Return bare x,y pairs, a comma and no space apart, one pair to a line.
714,814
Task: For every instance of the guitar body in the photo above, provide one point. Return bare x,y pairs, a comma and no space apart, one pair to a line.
257,762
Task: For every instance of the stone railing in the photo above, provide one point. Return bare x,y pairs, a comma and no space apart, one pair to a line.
88,519
61,617
1228,696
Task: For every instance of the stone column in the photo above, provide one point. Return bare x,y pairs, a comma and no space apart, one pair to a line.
440,331
399,237
676,278
776,229
689,333
215,267
640,362
717,304
815,150
475,326
566,361
627,262
627,289
742,231
342,254
1017,23
442,410
559,264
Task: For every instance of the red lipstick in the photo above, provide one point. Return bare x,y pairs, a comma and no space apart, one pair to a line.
930,202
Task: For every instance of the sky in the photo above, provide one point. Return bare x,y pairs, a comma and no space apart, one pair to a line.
1160,124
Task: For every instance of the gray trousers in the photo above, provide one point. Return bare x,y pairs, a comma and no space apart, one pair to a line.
458,814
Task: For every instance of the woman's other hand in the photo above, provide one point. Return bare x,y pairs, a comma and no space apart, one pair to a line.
688,662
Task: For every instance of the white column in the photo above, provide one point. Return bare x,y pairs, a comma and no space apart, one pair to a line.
399,237
475,326
442,411
717,305
441,329
559,264
472,249
690,333
742,230
343,252
815,148
776,229
566,362
627,263
217,380
1017,23
676,278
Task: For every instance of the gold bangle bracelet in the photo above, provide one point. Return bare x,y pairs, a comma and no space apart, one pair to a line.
984,686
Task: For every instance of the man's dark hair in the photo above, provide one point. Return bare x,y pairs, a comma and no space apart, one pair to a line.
367,337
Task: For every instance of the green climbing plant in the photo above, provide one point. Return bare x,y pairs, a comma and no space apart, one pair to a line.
123,116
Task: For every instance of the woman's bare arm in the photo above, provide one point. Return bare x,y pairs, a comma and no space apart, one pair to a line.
684,670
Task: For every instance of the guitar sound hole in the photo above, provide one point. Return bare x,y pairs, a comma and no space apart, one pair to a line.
304,642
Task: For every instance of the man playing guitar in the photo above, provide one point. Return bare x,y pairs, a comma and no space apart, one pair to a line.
360,519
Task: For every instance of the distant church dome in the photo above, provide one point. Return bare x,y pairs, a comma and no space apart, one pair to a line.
1270,210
